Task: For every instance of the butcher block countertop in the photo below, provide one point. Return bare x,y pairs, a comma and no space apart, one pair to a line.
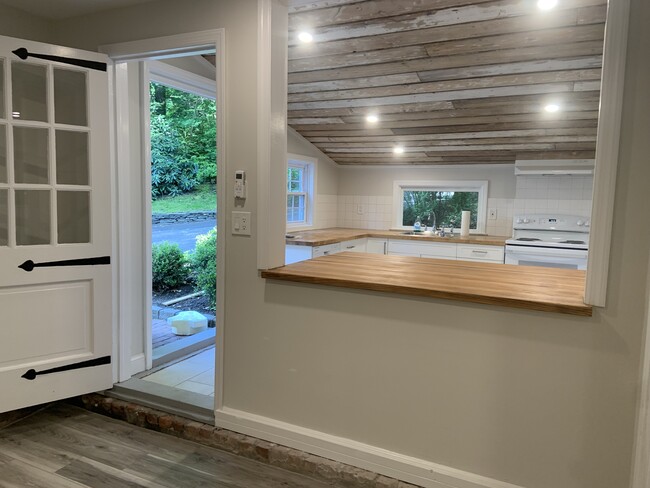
322,237
534,288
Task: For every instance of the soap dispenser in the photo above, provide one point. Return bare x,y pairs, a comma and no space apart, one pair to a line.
417,227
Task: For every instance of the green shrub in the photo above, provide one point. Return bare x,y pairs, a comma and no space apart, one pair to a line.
204,265
169,266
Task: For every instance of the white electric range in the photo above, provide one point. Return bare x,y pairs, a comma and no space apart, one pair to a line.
552,241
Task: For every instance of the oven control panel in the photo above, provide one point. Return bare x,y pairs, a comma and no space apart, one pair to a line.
573,223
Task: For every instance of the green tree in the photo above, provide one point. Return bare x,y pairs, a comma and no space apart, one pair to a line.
446,205
183,133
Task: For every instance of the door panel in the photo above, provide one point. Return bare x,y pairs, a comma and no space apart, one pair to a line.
55,334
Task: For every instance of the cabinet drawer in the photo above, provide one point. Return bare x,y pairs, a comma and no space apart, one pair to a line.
424,249
355,245
325,250
480,253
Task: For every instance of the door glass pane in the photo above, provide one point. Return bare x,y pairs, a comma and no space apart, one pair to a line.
70,97
32,217
4,218
30,155
2,89
71,158
3,154
73,216
29,91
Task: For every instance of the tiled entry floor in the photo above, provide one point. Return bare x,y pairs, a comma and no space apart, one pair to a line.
195,374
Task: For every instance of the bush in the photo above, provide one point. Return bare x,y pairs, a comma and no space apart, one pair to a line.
172,173
204,265
169,266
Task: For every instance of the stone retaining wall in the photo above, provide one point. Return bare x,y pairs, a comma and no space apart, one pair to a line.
170,218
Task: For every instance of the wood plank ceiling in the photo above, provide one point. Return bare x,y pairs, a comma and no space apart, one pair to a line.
452,81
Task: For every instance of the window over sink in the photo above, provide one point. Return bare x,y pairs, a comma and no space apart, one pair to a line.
440,203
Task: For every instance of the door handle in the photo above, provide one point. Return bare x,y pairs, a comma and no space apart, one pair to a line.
29,265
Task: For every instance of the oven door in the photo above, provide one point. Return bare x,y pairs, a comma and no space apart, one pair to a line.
546,257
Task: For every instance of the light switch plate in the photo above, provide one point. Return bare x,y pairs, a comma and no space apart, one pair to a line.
492,214
241,223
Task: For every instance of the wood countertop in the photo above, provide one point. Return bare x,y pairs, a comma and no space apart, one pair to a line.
527,287
333,235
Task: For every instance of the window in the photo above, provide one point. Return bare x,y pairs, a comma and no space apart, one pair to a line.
440,203
300,178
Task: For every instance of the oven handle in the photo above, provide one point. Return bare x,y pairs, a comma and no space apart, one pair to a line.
536,251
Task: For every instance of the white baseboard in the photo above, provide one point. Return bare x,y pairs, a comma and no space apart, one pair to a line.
382,461
138,364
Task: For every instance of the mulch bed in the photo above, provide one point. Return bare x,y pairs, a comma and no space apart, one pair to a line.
200,304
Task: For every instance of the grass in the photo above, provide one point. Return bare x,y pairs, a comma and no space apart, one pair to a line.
204,198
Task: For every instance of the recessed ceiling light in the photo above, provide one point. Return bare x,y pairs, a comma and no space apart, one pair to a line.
372,118
305,37
398,150
546,4
552,107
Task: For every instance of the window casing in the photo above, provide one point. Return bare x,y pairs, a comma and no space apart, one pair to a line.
300,197
444,199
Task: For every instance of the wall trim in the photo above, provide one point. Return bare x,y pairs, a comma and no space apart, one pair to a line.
365,456
607,149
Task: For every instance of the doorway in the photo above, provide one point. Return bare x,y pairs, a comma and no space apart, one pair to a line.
183,74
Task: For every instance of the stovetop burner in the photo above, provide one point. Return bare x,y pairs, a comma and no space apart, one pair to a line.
528,239
572,242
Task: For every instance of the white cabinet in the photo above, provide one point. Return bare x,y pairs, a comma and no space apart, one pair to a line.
318,251
487,254
294,253
377,246
437,250
355,245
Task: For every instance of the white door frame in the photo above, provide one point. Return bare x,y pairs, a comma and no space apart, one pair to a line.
163,47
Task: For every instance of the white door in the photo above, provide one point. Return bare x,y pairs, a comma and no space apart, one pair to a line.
55,224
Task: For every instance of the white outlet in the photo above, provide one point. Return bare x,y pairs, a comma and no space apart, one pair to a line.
492,214
360,209
241,223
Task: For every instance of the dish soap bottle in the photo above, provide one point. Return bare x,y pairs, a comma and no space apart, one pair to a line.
417,227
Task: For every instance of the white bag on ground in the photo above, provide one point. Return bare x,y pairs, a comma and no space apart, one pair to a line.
187,323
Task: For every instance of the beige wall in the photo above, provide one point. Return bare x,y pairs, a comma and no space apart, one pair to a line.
379,181
328,170
16,23
535,399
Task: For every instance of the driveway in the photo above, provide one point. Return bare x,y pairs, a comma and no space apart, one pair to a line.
182,233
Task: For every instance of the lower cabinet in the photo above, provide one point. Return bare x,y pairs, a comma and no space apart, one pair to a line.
356,245
294,253
486,254
377,246
399,247
437,250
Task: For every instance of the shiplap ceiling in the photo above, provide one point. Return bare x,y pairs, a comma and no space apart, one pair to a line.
452,81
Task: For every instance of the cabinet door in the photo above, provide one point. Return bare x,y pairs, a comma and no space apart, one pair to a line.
356,245
318,251
377,246
426,249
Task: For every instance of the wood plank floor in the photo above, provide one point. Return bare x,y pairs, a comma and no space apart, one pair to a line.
65,446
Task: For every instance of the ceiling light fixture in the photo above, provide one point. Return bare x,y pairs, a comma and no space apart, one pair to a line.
546,4
552,107
305,37
398,150
372,118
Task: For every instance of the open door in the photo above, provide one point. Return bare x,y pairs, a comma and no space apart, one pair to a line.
55,224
